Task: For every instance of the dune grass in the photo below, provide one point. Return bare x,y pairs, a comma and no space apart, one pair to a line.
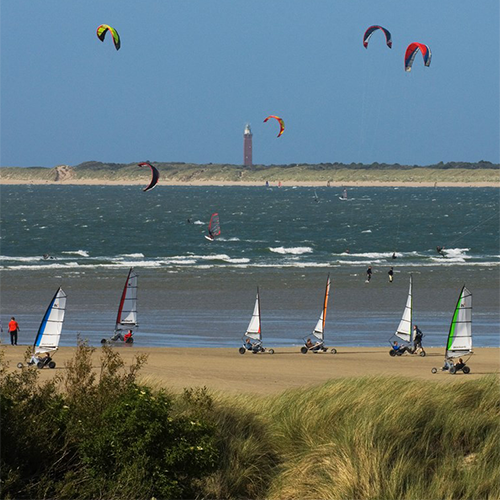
112,435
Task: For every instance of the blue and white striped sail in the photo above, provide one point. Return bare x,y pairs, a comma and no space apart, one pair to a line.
49,332
404,331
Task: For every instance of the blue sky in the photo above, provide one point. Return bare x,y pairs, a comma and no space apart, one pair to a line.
191,73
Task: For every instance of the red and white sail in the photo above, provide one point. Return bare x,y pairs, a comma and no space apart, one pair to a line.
127,310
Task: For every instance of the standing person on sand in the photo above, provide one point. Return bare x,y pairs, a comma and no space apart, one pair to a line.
368,274
13,330
391,274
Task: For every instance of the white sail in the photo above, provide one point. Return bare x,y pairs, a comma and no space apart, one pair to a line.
460,335
49,332
253,330
404,331
127,310
319,330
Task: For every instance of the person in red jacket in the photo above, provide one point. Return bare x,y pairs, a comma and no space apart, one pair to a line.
13,330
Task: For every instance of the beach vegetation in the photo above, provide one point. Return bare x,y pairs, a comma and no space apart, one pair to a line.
99,432
99,172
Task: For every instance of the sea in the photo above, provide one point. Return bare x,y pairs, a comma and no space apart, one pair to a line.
196,293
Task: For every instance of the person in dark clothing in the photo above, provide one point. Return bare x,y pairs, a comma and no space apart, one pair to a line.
369,274
417,338
440,250
394,255
391,274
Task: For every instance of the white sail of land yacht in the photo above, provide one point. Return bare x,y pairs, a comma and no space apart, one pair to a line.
460,335
49,332
127,309
253,330
319,330
405,330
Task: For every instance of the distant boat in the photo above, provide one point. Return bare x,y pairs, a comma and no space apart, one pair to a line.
49,332
459,341
252,339
126,319
319,330
213,227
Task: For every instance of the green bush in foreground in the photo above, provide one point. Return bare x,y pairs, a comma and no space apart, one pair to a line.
104,435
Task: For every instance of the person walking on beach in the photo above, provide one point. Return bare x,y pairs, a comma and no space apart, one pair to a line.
417,338
13,330
391,274
368,274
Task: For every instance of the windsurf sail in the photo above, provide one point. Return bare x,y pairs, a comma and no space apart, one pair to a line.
460,335
319,330
405,328
253,330
316,197
214,226
49,332
127,310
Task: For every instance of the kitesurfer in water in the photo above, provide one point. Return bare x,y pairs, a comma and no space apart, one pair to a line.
189,220
394,255
440,250
391,274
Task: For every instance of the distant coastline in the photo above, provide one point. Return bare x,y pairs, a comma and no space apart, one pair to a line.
482,174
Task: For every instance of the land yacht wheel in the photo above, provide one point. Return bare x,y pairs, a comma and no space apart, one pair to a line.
422,354
303,350
333,350
19,365
271,351
434,370
466,369
453,370
392,353
241,350
52,364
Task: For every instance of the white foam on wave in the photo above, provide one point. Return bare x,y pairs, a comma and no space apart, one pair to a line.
367,231
199,223
291,250
83,253
229,239
20,259
133,255
371,255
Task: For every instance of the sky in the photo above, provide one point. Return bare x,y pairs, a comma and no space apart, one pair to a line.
191,73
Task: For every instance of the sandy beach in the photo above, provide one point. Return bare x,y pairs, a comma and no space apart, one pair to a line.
97,182
226,370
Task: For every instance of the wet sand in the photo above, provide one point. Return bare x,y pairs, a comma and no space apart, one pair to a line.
224,369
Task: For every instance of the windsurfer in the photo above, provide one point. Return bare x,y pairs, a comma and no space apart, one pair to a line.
440,250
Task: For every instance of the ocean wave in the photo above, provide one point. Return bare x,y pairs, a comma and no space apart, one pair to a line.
291,250
367,231
83,253
133,255
199,223
20,259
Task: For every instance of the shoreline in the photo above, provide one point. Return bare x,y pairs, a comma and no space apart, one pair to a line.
225,370
286,183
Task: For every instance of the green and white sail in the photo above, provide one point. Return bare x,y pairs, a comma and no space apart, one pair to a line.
253,330
405,330
460,336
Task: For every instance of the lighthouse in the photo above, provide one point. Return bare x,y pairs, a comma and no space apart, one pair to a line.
247,146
